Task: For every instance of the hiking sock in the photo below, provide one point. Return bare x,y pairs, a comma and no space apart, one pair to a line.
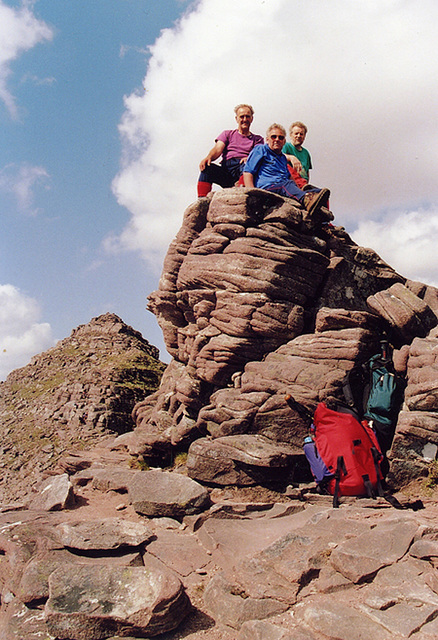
203,188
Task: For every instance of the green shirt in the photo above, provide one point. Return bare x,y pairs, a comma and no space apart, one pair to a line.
303,156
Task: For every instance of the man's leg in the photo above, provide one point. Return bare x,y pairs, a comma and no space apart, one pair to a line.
213,174
312,200
235,168
290,190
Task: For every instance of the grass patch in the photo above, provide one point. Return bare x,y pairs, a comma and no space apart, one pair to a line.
180,459
33,390
432,478
138,464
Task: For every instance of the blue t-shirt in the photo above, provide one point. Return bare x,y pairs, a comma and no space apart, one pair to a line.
267,167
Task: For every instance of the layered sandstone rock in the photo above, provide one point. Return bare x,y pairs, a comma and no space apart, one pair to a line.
256,301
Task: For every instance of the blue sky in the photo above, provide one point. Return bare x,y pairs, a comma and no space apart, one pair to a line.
67,103
107,106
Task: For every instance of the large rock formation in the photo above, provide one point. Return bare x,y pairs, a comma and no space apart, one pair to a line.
71,395
257,300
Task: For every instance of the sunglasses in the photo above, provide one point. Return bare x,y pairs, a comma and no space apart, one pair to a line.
274,137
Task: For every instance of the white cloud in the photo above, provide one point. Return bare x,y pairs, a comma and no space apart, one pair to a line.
20,30
21,181
21,335
126,48
37,81
362,75
406,241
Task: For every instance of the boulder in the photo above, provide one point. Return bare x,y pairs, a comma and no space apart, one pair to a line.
407,315
34,584
310,368
241,460
103,535
350,623
360,558
183,554
89,601
422,390
55,493
416,440
164,494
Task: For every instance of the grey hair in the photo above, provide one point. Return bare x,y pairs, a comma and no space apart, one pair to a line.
275,126
243,106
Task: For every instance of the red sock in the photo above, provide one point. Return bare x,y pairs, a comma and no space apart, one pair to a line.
203,188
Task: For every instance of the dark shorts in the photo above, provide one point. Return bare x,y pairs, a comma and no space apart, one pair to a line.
225,174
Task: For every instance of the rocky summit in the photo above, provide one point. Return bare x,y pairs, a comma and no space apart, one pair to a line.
72,395
134,508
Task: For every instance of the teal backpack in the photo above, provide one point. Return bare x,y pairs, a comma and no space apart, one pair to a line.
384,398
375,391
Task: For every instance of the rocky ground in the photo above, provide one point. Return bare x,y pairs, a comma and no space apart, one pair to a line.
254,563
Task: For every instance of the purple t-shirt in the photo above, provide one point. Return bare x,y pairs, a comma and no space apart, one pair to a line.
237,145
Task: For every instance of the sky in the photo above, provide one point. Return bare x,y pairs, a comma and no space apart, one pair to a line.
107,107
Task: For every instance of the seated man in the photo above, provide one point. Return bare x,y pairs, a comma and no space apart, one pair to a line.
266,168
297,156
234,146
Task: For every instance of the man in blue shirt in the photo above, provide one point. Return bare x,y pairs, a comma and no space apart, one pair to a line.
266,168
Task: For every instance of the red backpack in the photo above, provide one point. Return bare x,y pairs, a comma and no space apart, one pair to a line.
350,452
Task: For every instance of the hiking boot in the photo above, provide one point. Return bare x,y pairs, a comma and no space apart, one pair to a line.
315,200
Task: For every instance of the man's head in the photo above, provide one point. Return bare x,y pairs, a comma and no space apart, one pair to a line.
244,117
275,137
297,132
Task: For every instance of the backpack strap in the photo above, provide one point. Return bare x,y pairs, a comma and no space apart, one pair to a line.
377,457
346,390
340,469
355,388
368,486
299,408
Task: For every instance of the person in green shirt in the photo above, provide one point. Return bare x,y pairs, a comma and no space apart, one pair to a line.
297,156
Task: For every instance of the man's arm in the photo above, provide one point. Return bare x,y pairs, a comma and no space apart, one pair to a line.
213,154
294,162
251,169
248,179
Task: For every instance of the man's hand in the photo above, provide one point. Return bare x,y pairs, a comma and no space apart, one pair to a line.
294,162
213,154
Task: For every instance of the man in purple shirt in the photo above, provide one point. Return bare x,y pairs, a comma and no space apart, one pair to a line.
234,145
266,168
